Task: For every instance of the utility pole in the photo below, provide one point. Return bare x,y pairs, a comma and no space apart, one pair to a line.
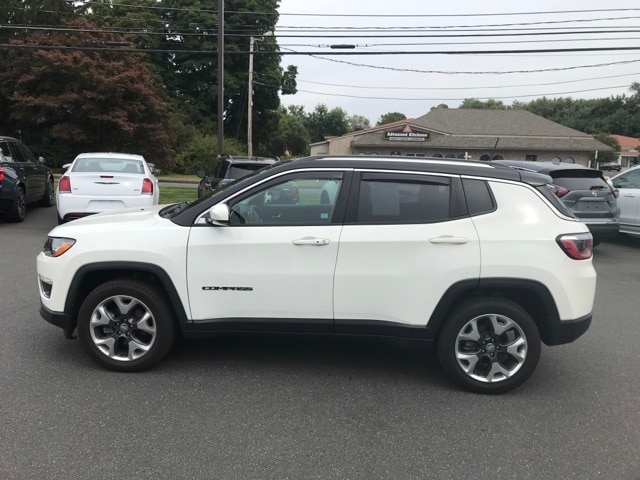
220,77
252,41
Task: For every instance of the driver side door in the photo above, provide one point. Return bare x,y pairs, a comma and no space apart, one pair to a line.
275,260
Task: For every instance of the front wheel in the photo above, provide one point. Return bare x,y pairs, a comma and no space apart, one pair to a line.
126,325
48,199
489,345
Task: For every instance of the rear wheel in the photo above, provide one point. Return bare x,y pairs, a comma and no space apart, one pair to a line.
18,209
489,345
126,325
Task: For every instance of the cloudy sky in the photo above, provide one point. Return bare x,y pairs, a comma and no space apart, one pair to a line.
372,85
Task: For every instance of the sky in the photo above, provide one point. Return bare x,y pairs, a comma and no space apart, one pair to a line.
390,83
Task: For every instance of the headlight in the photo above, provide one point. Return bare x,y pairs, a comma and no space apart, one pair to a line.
56,246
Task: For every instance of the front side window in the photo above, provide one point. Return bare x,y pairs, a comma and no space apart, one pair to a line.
630,179
296,199
403,200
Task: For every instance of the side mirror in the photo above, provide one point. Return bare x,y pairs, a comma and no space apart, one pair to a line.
201,174
218,215
41,160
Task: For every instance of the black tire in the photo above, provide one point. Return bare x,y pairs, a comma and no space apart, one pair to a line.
115,333
48,199
18,208
496,362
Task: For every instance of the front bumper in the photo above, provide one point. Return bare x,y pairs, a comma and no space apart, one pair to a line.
60,319
561,332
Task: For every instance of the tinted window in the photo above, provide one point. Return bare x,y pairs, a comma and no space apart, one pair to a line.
4,146
27,153
242,170
578,179
403,201
16,153
479,198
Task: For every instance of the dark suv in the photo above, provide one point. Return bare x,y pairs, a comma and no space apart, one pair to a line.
584,191
227,169
23,180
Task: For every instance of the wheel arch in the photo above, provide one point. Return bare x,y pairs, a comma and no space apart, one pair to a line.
88,277
531,295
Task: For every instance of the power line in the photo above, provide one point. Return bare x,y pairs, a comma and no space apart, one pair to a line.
444,72
509,97
395,87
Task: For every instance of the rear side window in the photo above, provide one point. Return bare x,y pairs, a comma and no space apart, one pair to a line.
630,179
403,199
479,197
16,153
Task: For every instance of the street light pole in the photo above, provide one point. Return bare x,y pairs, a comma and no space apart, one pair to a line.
220,77
250,100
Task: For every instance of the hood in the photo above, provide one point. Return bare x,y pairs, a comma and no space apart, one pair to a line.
131,218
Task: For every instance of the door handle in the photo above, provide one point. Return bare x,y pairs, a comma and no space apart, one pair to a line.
318,242
448,240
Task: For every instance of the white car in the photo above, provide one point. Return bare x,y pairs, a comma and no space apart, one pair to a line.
105,182
628,185
482,260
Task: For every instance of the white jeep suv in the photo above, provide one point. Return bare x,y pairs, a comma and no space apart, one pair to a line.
483,260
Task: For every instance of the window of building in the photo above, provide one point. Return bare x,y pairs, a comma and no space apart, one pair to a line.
497,157
449,155
437,155
555,159
462,156
569,160
485,158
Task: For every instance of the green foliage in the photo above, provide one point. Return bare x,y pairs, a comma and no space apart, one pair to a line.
390,118
440,105
324,122
490,104
357,122
291,138
200,153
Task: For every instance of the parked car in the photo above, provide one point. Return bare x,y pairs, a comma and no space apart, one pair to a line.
23,180
105,182
584,191
613,166
628,186
482,260
229,168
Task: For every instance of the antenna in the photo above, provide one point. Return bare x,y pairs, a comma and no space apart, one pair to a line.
494,148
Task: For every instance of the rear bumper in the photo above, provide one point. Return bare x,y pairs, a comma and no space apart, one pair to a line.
566,331
602,231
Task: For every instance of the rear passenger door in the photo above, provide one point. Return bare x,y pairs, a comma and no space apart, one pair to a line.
407,238
628,185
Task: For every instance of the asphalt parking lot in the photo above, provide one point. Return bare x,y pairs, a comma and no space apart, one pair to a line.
312,408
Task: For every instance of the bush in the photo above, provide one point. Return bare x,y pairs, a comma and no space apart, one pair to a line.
200,153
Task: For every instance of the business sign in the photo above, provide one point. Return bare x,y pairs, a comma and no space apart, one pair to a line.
407,136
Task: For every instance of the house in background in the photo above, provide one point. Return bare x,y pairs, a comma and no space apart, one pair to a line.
629,154
469,133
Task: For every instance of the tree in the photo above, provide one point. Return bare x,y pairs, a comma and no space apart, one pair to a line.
440,105
357,122
390,118
88,100
291,138
490,104
323,122
607,157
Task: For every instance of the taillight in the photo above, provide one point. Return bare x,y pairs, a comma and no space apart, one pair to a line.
1,174
558,190
64,185
615,191
578,246
147,187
